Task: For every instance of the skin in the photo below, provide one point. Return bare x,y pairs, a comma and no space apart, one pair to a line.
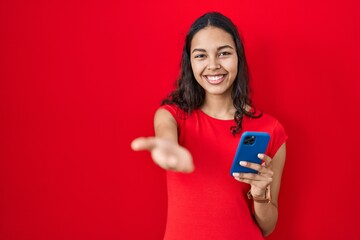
214,65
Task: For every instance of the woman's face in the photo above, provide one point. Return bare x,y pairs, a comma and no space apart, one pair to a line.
214,60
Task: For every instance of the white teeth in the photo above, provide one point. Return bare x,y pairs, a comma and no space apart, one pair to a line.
214,78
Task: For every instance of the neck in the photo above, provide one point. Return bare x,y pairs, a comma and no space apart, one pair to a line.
219,107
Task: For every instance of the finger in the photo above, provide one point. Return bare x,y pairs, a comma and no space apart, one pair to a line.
253,179
251,165
262,170
143,143
252,176
265,172
267,160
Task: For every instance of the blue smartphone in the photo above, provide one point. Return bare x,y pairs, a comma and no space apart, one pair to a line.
250,145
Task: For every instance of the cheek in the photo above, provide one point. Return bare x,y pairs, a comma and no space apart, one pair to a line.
231,67
197,68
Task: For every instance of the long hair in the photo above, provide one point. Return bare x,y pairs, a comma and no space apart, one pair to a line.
189,95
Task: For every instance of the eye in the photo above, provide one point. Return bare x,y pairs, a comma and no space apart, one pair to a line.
200,56
224,53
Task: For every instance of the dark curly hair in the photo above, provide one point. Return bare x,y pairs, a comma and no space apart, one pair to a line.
189,95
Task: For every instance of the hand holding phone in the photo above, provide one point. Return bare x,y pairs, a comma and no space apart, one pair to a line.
250,145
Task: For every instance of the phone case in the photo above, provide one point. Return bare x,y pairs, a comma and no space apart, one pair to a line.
250,145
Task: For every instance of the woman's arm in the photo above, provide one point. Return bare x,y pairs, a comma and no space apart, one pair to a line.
269,178
164,147
266,215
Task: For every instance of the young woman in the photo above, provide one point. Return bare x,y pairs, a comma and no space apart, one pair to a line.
197,130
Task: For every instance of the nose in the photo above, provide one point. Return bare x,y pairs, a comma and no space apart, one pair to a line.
213,64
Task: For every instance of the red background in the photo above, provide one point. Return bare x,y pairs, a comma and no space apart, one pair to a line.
80,79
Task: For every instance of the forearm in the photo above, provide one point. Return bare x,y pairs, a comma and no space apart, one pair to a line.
266,215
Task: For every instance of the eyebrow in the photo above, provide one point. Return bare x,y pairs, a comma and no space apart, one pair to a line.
219,48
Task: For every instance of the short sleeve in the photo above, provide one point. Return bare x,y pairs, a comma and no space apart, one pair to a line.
176,112
278,137
172,109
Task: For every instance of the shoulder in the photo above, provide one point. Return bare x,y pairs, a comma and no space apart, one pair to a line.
265,121
172,108
269,119
177,113
270,124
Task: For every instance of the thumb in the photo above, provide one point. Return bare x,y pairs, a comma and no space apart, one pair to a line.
143,143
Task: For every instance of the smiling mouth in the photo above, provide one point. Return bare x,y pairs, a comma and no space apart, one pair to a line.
215,79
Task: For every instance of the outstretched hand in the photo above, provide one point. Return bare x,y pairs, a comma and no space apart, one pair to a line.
167,154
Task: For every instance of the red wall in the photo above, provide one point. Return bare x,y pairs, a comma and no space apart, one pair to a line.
80,79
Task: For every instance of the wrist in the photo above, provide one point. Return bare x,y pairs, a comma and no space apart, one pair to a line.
261,198
257,194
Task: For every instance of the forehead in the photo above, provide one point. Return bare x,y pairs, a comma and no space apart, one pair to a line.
211,37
